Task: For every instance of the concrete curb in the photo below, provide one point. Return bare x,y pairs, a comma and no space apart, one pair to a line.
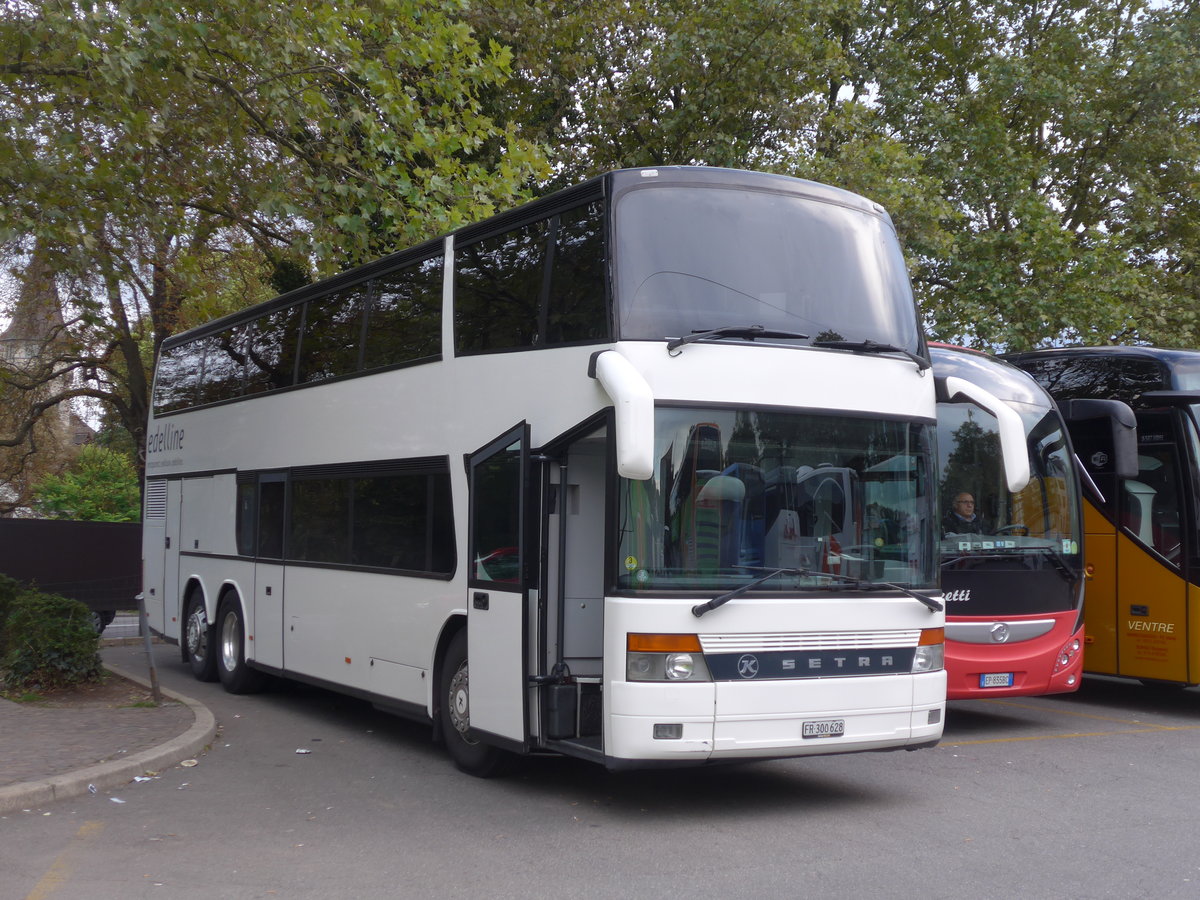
120,771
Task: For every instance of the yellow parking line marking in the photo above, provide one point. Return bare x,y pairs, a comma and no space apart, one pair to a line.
60,870
1153,729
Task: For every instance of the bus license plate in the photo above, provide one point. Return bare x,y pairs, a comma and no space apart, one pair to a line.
996,679
824,728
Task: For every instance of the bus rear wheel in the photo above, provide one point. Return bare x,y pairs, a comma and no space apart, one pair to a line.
469,753
198,639
236,676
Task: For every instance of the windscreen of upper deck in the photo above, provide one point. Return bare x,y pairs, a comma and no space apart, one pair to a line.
695,258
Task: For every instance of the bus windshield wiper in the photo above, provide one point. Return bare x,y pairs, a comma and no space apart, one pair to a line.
742,331
870,346
701,608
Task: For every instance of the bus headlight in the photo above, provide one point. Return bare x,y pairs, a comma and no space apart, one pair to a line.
641,666
680,666
1067,655
665,657
931,651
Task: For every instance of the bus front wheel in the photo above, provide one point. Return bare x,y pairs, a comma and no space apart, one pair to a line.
198,638
236,677
469,753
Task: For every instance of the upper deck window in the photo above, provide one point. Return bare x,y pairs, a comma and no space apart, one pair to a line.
392,320
1117,378
271,350
1185,374
224,364
332,333
575,308
538,284
693,259
497,289
180,371
404,323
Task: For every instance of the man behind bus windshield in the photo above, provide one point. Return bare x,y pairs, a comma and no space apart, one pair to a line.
962,518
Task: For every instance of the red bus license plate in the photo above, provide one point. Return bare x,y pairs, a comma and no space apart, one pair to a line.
823,728
996,679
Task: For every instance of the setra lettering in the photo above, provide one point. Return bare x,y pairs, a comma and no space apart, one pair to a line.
815,664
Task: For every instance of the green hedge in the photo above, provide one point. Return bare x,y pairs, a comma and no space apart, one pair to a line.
49,642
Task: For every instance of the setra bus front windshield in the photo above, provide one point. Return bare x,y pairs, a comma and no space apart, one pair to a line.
695,259
1034,528
739,493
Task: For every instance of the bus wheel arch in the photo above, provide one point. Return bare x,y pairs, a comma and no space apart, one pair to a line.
452,627
198,634
470,754
229,650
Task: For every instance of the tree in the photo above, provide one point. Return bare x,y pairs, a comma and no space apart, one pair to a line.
661,82
1039,159
35,336
177,161
99,486
155,151
1065,139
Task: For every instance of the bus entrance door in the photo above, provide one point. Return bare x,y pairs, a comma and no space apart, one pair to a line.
501,557
1152,615
572,656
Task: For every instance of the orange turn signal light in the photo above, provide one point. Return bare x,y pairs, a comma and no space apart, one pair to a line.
930,636
663,643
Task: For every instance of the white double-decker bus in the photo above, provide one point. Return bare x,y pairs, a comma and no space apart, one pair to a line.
640,472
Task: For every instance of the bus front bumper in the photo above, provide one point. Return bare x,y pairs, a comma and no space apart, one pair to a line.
767,719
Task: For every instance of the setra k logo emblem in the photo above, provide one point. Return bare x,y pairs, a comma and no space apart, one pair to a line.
748,666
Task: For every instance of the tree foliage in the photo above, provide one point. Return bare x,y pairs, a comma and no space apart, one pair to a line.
158,151
179,161
101,485
1040,159
661,82
350,127
1066,138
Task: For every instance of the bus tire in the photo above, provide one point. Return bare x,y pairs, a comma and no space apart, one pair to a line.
199,639
230,651
470,754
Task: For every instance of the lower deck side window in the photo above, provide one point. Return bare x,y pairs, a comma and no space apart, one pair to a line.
399,520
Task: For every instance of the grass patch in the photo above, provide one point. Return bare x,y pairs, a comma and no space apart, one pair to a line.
24,697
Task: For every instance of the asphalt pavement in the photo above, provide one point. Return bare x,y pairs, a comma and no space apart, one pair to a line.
49,753
307,794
